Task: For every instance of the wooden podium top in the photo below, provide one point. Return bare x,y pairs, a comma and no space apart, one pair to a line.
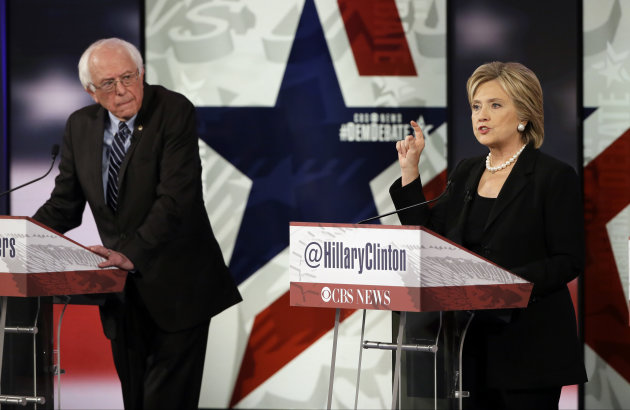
37,261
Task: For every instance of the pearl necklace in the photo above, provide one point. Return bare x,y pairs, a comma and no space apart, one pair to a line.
505,164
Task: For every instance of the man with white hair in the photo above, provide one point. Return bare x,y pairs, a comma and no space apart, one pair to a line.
134,158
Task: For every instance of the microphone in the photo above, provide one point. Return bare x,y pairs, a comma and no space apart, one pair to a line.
54,152
448,185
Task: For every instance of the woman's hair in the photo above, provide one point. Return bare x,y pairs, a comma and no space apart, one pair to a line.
523,87
85,76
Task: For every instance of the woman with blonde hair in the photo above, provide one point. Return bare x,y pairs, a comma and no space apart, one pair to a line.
522,210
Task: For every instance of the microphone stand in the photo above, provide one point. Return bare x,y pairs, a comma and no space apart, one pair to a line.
54,152
448,184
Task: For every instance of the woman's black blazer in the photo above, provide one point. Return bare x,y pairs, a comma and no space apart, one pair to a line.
535,230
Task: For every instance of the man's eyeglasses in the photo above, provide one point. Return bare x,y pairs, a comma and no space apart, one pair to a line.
126,80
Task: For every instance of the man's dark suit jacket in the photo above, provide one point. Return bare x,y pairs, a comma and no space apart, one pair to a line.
161,224
535,230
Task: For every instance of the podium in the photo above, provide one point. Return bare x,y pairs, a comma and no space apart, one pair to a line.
37,263
397,268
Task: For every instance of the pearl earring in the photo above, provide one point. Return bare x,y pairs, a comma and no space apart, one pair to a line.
520,127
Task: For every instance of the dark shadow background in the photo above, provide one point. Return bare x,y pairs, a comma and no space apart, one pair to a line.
545,36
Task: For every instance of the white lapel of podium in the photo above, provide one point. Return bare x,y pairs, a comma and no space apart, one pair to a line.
37,261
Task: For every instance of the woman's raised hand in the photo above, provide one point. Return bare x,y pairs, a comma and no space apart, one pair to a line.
409,151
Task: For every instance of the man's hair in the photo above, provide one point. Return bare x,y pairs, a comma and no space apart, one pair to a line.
85,76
